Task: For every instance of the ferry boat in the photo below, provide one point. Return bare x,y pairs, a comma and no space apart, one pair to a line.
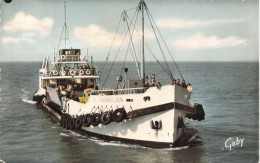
132,112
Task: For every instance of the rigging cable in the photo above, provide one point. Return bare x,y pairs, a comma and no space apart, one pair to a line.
124,61
151,50
165,43
102,69
116,54
157,60
66,29
114,60
131,39
166,63
60,40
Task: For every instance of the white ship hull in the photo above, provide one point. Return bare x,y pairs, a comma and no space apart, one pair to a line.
163,106
139,131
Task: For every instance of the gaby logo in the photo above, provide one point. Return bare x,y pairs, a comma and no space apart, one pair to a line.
230,142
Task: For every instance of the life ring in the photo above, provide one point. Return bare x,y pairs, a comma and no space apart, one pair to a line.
81,72
87,120
95,119
72,123
55,72
61,120
64,119
88,72
106,118
67,124
63,57
119,115
78,122
72,72
63,123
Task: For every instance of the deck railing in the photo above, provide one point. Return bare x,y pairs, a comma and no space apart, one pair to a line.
118,91
72,72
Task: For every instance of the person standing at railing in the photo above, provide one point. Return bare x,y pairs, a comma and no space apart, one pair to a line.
178,82
173,82
146,85
184,84
92,71
58,70
66,70
159,85
87,66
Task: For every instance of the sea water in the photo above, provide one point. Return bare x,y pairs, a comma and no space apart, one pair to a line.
227,90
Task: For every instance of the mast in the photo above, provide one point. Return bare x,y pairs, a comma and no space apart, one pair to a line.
142,58
54,55
65,24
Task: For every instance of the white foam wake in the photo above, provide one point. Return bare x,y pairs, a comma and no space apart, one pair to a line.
114,143
76,134
28,101
176,148
120,144
25,97
193,137
65,135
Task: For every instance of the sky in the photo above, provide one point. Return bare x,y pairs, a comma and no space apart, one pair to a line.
194,30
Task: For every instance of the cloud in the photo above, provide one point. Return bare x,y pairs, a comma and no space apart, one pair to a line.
8,40
99,37
27,37
183,23
25,22
200,41
96,36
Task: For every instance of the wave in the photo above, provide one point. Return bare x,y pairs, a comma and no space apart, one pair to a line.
193,137
25,97
114,143
120,144
70,133
65,135
176,148
74,134
28,101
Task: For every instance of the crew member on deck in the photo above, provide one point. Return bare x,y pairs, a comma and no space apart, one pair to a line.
58,70
66,70
146,85
178,82
87,66
159,85
71,96
173,82
153,83
184,84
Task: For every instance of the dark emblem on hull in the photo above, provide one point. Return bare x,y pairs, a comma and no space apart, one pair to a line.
156,124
